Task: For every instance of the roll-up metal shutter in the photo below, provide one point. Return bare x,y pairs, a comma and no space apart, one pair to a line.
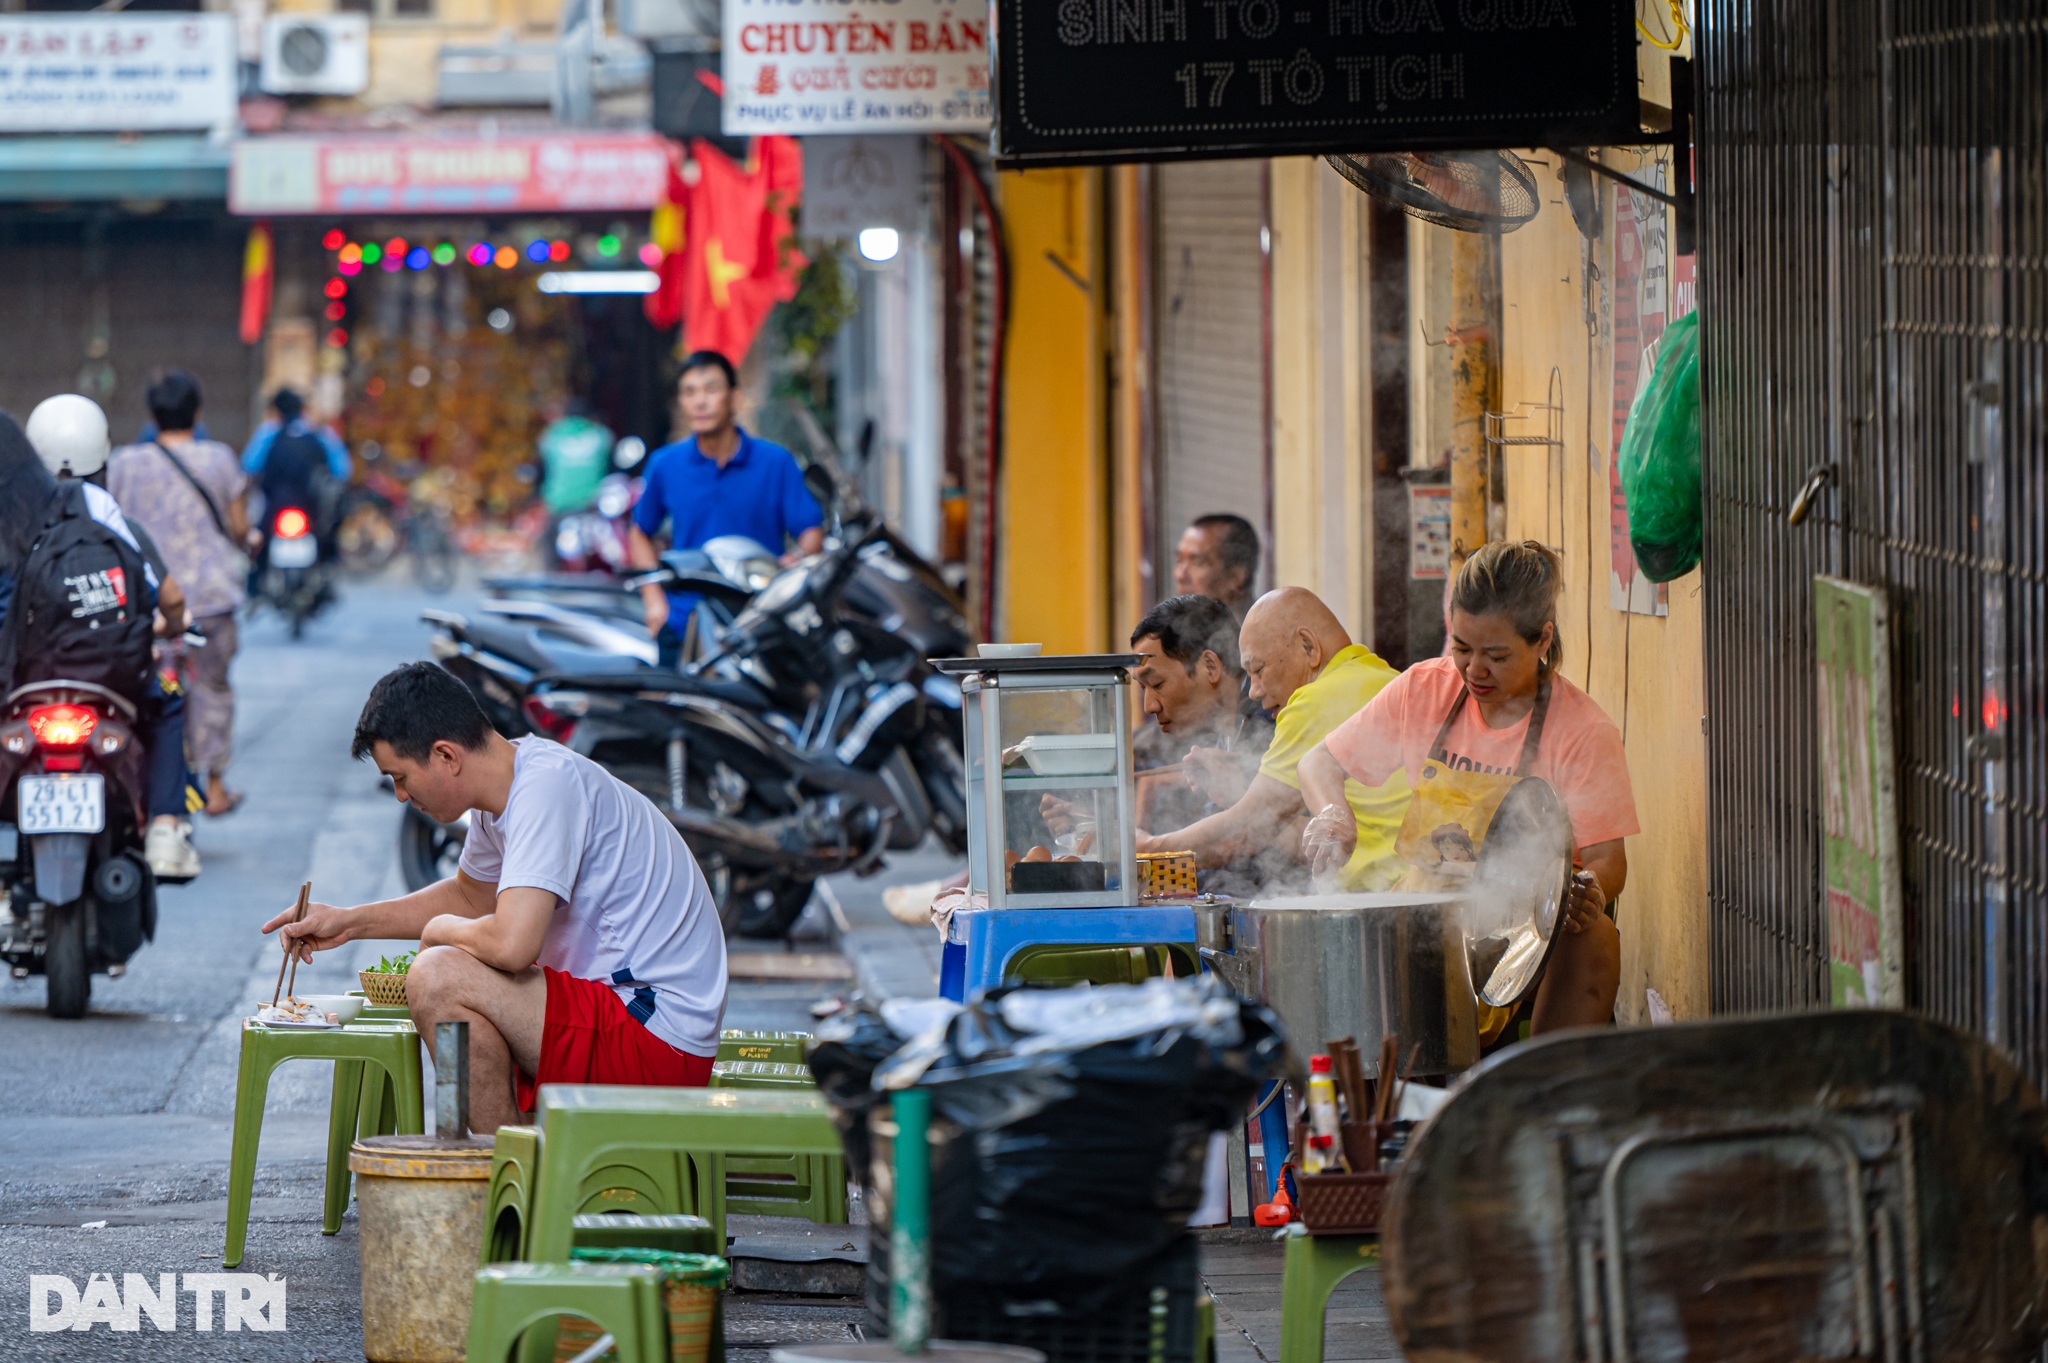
1209,284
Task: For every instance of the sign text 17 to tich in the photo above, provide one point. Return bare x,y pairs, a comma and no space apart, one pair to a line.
1080,81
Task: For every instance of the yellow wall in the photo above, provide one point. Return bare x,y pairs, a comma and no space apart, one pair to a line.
1646,671
1322,538
1054,547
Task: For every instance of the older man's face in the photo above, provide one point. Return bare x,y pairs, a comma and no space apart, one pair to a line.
1198,567
1276,662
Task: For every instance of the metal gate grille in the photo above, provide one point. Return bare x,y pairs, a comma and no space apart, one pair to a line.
1874,273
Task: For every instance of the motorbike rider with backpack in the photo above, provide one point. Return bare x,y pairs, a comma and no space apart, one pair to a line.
85,587
296,462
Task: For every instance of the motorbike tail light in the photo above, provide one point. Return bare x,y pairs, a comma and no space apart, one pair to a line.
62,726
63,761
292,523
555,715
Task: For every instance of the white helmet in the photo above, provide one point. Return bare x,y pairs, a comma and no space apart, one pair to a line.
70,435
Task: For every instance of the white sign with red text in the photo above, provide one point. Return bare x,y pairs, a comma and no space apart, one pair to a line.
855,66
116,72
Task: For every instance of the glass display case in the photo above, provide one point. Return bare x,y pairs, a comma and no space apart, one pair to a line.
1050,792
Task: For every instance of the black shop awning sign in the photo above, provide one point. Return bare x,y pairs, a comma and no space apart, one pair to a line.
1080,81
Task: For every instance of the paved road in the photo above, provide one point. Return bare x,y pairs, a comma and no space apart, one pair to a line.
123,1118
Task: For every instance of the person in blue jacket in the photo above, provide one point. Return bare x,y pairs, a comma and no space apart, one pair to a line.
719,481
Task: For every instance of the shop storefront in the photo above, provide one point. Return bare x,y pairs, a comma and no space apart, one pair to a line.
442,301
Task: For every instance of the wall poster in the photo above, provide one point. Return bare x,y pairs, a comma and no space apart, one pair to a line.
1860,822
1650,288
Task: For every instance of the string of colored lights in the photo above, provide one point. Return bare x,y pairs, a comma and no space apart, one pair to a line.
397,253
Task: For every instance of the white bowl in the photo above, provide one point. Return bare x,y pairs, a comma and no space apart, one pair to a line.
1008,650
346,1007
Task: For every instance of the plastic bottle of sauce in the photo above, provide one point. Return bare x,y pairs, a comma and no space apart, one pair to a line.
1323,1153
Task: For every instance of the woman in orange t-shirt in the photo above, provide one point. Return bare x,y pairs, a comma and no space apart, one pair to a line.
1495,704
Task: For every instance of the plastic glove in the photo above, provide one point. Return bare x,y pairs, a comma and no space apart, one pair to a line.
1329,840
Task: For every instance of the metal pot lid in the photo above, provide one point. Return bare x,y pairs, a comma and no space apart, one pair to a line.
1519,888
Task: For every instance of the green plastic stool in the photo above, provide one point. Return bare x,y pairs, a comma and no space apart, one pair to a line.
515,1160
623,1299
394,1047
1053,964
666,1140
375,1113
1315,1264
785,1048
1205,1329
810,1186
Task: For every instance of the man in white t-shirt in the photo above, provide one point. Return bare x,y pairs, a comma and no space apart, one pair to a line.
577,937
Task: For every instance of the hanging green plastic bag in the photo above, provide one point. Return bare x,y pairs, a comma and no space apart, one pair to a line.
1660,458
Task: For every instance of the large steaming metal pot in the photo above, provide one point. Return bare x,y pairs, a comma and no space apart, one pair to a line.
1362,966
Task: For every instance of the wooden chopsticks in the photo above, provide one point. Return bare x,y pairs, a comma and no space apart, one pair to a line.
291,956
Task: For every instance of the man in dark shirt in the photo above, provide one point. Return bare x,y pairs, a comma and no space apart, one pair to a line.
1190,689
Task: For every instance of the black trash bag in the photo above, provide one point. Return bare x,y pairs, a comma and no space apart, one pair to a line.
1073,1126
845,1051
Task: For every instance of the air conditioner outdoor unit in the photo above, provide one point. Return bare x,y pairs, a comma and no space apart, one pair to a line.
316,54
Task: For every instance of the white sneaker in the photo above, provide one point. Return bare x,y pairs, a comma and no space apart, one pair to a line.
912,903
169,853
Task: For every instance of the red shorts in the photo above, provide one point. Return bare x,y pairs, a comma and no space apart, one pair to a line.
590,1038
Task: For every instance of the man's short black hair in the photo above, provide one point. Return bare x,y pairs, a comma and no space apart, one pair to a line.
1187,625
287,404
711,359
173,401
1237,544
416,706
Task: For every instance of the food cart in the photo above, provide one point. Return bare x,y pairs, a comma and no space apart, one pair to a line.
1060,727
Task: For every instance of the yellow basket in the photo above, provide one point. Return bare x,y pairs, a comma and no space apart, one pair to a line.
1167,875
386,990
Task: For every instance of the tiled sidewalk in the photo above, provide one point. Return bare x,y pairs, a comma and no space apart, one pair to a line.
1240,1267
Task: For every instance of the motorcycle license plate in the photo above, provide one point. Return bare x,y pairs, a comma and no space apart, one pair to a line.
61,804
297,553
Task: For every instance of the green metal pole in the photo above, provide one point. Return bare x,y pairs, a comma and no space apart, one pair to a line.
910,1232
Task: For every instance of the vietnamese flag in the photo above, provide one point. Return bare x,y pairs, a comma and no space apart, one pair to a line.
259,270
664,306
739,249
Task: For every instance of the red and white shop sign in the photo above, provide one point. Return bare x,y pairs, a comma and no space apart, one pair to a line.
356,175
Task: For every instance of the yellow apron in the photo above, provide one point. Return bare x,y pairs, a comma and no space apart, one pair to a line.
1448,815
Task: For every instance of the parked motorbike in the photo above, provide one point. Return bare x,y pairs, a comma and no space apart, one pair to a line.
594,540
293,576
76,896
810,742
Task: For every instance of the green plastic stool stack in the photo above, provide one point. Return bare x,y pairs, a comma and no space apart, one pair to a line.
810,1186
656,1150
515,1161
393,1047
1315,1264
623,1299
780,1048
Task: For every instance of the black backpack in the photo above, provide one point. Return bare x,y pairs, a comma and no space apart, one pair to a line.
83,608
294,472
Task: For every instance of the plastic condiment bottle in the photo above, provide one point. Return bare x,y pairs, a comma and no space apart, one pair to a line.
1322,1152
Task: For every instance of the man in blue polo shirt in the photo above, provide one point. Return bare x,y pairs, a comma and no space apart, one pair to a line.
720,481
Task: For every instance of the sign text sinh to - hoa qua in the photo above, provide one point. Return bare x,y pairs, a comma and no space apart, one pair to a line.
855,66
1101,80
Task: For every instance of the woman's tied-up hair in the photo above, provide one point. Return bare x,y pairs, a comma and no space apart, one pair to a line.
1520,581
